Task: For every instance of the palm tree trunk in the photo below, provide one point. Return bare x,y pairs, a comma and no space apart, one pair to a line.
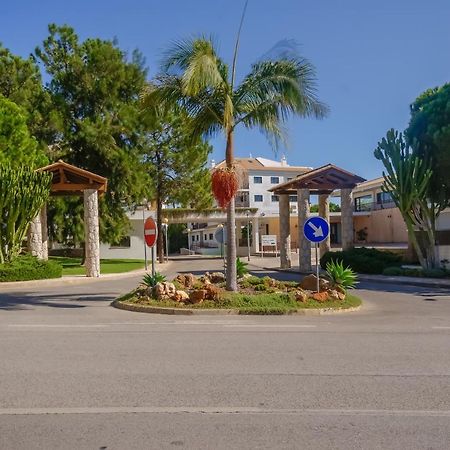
231,224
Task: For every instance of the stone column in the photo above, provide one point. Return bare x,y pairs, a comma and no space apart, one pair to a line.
324,212
285,232
346,219
44,233
91,233
304,246
34,237
255,235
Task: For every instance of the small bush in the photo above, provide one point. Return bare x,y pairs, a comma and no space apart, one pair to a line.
435,273
152,280
26,268
408,272
363,260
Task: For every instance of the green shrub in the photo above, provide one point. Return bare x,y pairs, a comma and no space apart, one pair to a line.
363,260
152,280
24,268
241,268
393,271
435,273
340,276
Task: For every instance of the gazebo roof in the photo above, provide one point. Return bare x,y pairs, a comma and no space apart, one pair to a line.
322,180
71,180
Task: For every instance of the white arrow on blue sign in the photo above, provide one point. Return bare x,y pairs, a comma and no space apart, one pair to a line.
316,229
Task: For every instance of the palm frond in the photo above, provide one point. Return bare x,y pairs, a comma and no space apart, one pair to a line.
197,63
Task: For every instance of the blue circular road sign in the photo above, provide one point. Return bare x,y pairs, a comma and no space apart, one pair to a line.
316,229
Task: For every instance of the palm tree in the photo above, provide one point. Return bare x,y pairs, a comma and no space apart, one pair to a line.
197,79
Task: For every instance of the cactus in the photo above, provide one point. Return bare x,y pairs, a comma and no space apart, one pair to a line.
23,192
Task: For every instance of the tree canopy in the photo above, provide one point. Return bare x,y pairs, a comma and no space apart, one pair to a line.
17,147
429,134
94,89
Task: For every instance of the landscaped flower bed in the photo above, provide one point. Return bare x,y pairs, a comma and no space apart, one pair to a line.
256,295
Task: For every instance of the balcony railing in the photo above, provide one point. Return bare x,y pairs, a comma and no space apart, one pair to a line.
373,206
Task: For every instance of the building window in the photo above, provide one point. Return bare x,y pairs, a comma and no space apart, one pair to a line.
258,198
275,198
363,203
292,198
257,180
274,180
210,236
123,243
193,238
384,197
205,237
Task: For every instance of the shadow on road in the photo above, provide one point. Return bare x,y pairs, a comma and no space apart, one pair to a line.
20,301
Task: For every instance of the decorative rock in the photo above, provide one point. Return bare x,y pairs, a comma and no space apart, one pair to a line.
320,296
334,294
301,296
310,283
188,280
212,292
217,277
164,291
181,296
197,296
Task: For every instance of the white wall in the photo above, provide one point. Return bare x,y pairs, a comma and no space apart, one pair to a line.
136,249
267,206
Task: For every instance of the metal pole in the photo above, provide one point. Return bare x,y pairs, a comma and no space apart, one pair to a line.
145,244
153,261
317,266
167,242
248,239
189,240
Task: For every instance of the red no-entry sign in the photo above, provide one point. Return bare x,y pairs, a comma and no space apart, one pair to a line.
150,232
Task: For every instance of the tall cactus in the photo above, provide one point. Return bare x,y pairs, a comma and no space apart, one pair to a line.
406,179
23,192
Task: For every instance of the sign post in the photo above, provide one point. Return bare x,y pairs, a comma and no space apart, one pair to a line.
150,235
316,229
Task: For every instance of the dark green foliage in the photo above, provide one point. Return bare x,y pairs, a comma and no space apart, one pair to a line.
340,276
152,280
408,272
241,268
21,82
94,88
429,134
26,268
23,192
363,260
177,237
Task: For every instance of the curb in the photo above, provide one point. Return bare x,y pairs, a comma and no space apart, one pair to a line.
378,279
226,312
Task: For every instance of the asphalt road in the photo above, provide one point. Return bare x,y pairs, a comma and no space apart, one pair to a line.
78,374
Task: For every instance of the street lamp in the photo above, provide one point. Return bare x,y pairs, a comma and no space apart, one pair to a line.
247,213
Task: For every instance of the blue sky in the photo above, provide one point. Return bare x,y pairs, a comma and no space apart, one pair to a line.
372,58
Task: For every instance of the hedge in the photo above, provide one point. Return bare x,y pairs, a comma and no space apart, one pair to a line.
363,260
26,268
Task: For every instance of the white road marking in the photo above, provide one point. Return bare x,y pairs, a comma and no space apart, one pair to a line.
224,410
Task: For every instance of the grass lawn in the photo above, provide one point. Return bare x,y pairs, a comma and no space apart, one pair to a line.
71,266
264,303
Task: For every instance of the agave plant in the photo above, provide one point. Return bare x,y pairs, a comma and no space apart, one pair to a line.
241,268
340,276
152,280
